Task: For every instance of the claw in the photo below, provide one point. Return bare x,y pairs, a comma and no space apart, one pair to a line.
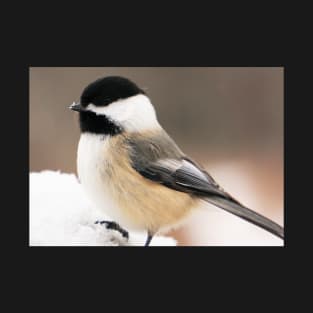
114,226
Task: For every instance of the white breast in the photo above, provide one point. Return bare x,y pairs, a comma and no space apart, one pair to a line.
91,165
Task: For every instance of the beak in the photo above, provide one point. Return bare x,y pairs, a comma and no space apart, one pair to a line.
76,107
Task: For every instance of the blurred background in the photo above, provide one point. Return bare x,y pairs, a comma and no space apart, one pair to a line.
230,120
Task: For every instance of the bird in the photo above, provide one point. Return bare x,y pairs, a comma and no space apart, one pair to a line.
133,171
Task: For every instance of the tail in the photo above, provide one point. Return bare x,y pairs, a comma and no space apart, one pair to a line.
234,207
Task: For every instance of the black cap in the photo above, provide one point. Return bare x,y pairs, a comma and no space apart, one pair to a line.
106,90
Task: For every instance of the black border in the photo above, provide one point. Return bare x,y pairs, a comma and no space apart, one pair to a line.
210,44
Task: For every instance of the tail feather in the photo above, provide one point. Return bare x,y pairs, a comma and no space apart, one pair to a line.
239,210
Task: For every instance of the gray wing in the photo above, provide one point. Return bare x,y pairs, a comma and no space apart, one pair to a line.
182,175
160,160
163,162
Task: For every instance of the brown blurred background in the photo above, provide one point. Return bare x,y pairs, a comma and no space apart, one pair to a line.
229,119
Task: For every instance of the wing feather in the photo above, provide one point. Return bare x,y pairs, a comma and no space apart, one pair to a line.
159,159
164,163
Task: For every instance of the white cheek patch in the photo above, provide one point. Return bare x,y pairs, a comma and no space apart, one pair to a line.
134,113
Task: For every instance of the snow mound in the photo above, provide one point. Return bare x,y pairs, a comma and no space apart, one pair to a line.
61,215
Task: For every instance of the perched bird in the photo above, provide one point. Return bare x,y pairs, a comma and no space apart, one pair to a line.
134,171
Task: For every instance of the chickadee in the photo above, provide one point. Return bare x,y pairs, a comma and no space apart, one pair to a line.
134,171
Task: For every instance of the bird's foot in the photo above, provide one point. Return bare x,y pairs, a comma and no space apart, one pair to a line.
114,226
148,240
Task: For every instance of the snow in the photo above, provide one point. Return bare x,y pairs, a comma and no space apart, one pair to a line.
61,215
